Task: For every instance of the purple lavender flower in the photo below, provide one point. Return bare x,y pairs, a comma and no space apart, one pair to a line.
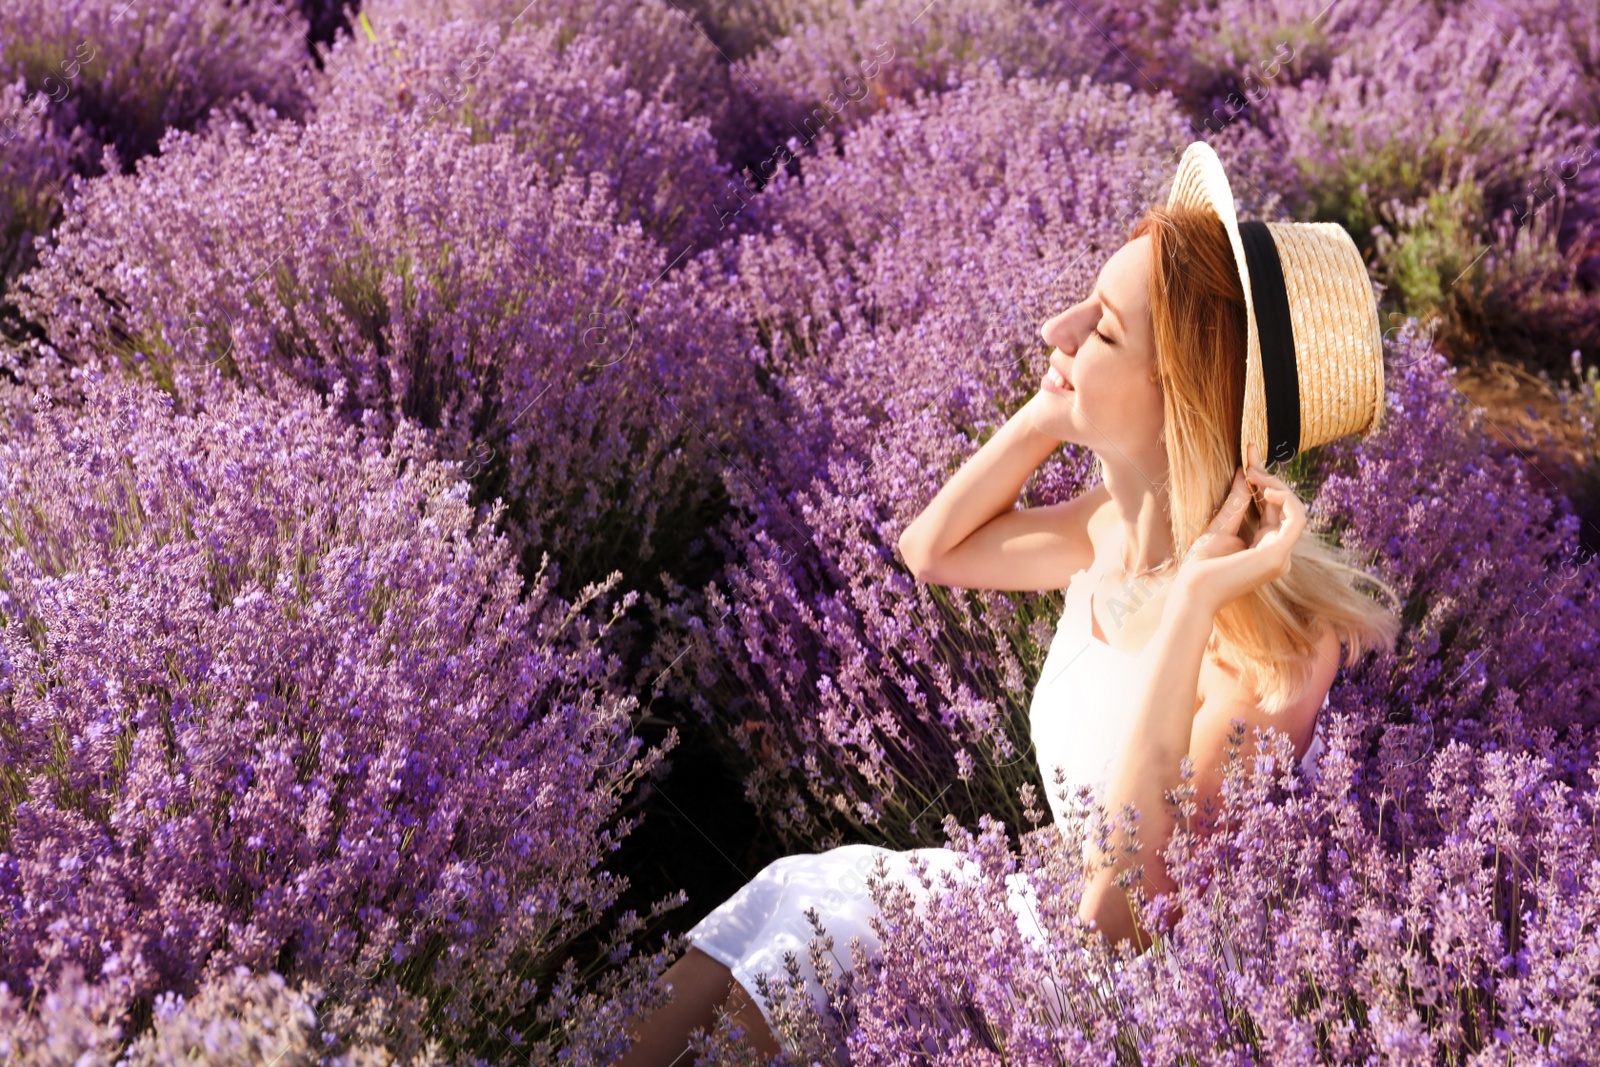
838,63
273,697
576,371
36,156
126,73
565,101
663,54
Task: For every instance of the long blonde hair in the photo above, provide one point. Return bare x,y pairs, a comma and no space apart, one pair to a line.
1198,312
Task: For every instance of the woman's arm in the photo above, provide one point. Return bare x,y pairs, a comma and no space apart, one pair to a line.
1167,724
1148,766
972,535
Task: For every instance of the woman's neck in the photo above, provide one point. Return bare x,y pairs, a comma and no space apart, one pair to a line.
1140,508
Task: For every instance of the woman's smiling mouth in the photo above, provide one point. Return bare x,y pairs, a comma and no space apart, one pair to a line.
1055,381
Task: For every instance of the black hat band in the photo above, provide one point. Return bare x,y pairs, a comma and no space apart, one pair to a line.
1280,377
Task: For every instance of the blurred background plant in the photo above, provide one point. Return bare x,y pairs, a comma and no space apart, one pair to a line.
91,77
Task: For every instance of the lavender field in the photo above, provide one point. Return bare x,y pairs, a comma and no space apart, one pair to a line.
452,456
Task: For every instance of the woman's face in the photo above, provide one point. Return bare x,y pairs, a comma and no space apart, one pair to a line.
1105,356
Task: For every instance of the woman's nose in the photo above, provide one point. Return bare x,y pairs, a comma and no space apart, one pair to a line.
1050,330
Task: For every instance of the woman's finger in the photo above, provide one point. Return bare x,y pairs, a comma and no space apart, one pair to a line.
1231,514
1282,497
1262,473
1286,518
1267,501
1292,513
1278,501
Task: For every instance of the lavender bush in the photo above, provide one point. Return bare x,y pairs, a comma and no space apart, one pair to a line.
561,100
1573,28
259,1018
1375,102
84,77
578,374
821,73
1497,126
35,155
239,1018
1221,59
1502,628
740,27
273,698
664,54
126,73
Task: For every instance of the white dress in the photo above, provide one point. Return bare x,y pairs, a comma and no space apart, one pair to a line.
1078,720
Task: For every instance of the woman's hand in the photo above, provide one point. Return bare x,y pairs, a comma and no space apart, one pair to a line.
1219,567
1044,416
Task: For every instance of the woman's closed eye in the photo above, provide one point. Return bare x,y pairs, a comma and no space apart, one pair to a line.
1102,336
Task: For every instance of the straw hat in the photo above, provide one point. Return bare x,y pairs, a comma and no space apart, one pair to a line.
1314,369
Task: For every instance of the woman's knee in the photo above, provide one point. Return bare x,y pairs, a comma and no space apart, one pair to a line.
710,977
741,1006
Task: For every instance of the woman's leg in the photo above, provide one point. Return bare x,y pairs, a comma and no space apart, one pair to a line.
742,1005
700,986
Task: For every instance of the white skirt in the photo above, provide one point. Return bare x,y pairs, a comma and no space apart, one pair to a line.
750,932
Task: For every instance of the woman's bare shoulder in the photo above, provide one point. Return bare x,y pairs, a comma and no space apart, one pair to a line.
1220,667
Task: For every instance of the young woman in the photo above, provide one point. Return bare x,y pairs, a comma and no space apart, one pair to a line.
1194,597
